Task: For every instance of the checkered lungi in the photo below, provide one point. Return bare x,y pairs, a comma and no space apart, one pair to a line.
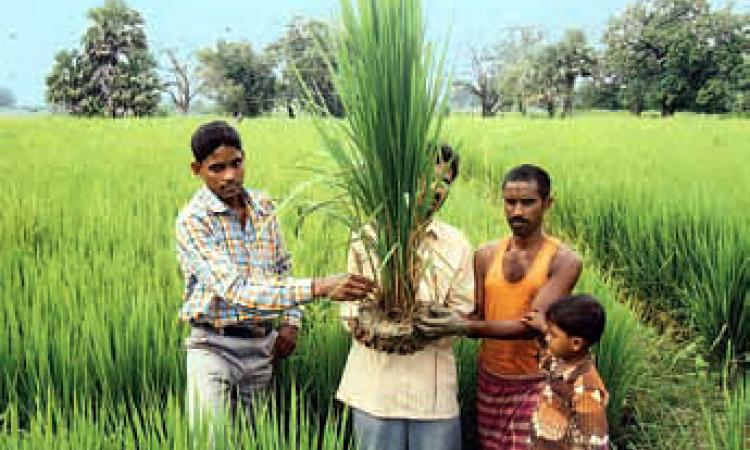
504,410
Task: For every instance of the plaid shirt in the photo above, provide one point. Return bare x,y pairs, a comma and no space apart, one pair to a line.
235,276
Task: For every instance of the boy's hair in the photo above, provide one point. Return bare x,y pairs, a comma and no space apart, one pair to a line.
578,316
446,154
212,135
528,173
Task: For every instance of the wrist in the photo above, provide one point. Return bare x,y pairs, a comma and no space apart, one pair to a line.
467,328
315,287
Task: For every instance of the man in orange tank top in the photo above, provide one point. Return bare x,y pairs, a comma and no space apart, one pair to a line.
516,277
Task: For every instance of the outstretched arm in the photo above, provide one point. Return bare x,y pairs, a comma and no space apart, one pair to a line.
564,272
477,326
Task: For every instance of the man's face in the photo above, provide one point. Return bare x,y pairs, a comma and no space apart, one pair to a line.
443,179
223,172
524,207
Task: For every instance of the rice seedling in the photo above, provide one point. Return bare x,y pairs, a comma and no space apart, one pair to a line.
730,428
164,425
391,85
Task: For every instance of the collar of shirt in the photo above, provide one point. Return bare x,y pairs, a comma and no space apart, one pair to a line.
434,230
213,204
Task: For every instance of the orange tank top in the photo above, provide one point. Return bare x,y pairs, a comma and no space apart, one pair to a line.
504,300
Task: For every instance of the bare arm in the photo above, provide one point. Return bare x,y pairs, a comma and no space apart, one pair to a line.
564,272
480,270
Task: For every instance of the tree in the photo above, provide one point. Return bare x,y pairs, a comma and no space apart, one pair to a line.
484,82
599,92
7,99
304,55
517,50
239,79
66,84
499,74
113,73
679,54
182,87
545,78
575,59
726,45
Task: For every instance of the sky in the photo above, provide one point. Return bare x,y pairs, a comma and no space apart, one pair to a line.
32,31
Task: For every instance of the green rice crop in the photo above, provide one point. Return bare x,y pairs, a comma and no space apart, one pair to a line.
661,204
392,88
89,285
730,429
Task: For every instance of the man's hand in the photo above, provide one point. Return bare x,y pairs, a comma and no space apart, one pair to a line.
535,321
345,287
437,327
286,341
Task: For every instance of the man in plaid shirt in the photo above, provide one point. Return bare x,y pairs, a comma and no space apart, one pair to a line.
236,271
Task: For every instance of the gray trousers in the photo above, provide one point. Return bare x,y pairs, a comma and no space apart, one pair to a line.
374,433
223,373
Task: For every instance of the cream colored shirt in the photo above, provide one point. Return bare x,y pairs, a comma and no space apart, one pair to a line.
423,385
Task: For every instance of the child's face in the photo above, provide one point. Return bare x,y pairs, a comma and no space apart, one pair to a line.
560,344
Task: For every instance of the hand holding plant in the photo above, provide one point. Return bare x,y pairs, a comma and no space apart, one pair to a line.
344,287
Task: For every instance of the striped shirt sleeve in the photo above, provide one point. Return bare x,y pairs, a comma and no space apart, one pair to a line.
203,256
283,264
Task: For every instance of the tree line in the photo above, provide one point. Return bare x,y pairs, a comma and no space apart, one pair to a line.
668,55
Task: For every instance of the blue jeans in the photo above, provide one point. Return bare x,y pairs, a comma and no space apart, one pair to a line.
374,433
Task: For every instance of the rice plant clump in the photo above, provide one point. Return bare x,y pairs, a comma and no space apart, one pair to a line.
392,87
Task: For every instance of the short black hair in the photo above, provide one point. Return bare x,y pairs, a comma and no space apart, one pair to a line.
212,135
578,316
446,154
528,173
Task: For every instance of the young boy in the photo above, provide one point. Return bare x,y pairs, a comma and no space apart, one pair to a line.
572,409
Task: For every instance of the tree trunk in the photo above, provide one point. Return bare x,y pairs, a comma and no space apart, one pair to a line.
550,108
521,105
568,99
567,106
667,108
487,108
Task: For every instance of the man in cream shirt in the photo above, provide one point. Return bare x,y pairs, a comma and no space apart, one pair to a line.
410,402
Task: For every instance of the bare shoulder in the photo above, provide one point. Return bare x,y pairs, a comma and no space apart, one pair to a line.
485,253
566,259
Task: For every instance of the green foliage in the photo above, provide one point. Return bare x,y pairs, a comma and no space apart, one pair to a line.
277,424
92,351
650,212
502,75
521,70
730,429
238,78
306,58
575,59
679,54
113,74
392,88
